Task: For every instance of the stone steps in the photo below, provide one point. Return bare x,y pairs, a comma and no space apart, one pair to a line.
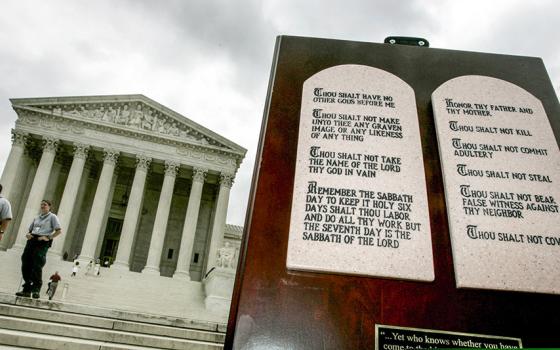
113,314
28,340
108,323
132,293
118,290
38,328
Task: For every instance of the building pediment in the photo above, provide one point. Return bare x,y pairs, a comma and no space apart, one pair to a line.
134,114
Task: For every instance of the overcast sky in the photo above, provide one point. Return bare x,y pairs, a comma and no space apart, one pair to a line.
184,54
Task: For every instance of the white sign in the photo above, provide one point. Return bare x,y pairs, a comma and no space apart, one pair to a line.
359,202
501,169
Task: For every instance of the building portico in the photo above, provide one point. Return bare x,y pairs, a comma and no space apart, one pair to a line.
132,182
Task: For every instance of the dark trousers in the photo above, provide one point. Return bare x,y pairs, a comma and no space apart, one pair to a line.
33,259
52,289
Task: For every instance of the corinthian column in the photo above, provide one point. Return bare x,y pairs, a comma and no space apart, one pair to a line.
217,237
68,201
38,188
14,159
13,181
99,206
132,212
189,228
160,222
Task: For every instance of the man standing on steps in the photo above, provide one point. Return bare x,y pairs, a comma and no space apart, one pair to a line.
5,214
55,278
42,231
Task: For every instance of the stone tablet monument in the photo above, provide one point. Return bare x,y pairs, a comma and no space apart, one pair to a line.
501,169
301,286
360,204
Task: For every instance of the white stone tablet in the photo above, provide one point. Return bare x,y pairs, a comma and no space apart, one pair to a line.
501,169
359,202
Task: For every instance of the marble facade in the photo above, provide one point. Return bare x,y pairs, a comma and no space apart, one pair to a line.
132,182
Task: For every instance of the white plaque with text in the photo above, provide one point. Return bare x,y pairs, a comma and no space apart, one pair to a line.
359,203
501,170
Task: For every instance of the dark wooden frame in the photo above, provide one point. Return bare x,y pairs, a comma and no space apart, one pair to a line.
273,308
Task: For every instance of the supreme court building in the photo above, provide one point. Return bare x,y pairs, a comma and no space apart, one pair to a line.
132,182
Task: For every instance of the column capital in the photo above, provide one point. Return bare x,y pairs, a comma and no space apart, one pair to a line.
143,162
199,174
110,156
226,180
19,138
50,144
81,150
171,168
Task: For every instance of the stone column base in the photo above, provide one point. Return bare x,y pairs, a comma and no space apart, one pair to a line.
184,275
218,287
148,270
17,247
83,260
120,266
54,255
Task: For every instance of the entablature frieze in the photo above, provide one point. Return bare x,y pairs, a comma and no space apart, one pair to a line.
97,141
183,142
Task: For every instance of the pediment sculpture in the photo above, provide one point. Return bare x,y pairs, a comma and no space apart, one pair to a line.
133,115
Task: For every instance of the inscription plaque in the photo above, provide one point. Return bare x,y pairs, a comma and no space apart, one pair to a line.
501,171
274,307
401,338
359,202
